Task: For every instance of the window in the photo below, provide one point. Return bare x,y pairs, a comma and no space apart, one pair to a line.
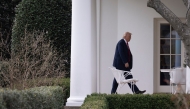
170,51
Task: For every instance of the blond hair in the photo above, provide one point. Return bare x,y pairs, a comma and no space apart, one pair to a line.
126,34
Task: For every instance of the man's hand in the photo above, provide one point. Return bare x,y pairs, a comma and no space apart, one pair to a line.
126,65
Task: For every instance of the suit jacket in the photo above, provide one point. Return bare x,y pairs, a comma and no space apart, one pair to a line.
121,57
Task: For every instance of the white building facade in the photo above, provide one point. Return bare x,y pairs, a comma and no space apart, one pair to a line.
97,26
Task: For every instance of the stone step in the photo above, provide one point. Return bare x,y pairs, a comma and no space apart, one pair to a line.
72,107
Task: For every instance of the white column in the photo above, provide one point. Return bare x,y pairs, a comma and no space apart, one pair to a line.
83,51
187,79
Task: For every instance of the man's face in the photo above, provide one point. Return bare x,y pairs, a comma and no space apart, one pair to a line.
128,37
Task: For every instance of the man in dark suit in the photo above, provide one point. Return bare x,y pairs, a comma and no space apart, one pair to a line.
123,60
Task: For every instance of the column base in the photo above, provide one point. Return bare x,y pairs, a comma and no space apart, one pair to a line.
71,107
75,101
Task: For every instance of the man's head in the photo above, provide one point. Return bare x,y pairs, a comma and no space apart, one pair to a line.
127,36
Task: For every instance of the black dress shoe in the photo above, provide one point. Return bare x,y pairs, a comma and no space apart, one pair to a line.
114,93
140,92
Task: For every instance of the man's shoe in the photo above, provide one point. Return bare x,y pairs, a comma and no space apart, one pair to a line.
140,92
114,93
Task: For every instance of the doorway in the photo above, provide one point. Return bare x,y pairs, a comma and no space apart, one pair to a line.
168,54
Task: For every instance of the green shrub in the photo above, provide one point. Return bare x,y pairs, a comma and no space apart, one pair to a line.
7,15
44,98
12,99
65,83
1,101
62,82
95,102
129,101
50,16
35,98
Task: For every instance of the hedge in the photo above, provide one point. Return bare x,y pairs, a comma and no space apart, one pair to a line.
95,102
7,14
51,97
14,99
136,101
50,16
65,83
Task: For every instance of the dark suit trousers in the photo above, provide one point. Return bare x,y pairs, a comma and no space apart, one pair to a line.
115,85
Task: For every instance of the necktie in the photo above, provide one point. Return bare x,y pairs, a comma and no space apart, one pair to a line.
129,52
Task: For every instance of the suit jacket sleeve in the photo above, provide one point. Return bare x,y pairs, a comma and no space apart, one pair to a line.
123,51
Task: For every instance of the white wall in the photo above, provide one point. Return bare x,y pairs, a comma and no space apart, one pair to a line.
119,16
108,39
